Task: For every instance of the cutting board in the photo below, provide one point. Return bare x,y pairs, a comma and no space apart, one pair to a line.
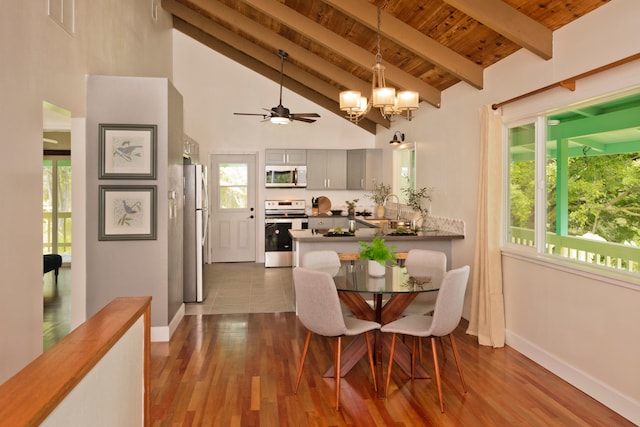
324,204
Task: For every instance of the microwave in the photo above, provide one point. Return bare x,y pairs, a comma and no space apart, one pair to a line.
285,176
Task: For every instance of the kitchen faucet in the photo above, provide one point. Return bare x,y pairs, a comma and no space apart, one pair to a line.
397,204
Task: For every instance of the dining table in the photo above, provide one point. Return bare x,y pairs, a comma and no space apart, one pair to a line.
381,299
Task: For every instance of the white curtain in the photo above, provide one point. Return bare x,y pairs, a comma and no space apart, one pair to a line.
487,301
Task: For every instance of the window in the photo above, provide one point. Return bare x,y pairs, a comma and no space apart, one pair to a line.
586,205
233,182
56,205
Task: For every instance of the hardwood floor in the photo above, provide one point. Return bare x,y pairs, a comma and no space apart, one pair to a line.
239,370
56,307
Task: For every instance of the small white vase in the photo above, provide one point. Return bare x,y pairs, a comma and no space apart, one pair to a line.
380,211
375,268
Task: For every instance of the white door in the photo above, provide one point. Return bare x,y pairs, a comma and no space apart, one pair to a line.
232,234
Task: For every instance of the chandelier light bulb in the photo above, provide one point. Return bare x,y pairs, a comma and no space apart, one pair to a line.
349,100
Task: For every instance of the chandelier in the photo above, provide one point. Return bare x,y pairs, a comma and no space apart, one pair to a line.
382,96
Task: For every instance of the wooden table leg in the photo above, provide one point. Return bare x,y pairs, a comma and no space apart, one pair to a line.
351,354
402,357
358,348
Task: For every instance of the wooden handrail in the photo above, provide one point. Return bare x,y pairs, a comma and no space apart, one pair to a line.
569,83
33,393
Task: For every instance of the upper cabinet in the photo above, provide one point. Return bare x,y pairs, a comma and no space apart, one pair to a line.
364,169
285,157
326,169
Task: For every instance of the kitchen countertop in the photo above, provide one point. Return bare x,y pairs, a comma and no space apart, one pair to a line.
449,230
368,229
369,234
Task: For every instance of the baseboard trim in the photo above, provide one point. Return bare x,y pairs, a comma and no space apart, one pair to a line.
173,325
164,333
603,393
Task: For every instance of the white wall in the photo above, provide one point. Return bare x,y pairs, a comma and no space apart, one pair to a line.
214,87
142,267
583,328
43,62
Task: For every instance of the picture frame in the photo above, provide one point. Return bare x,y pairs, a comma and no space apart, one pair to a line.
127,212
127,151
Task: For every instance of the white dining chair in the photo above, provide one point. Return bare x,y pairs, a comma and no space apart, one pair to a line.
319,311
324,260
424,263
446,317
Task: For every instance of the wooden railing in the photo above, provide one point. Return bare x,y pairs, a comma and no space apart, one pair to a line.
615,255
31,396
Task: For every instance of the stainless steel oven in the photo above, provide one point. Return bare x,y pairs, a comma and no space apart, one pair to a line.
280,217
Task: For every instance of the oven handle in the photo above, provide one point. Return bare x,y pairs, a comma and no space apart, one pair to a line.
284,220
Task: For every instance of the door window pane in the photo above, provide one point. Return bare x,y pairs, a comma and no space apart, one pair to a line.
233,185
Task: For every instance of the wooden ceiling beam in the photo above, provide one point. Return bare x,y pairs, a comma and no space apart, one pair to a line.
510,22
251,62
273,39
259,60
394,29
337,44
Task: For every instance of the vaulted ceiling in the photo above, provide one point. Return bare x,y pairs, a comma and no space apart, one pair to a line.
426,45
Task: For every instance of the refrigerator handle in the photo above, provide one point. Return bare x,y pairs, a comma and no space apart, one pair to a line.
205,208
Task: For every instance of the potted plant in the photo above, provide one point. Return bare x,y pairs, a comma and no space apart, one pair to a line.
351,207
378,195
378,254
414,201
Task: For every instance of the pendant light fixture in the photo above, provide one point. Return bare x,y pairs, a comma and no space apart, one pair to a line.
383,97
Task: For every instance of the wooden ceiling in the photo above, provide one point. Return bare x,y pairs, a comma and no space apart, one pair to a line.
426,45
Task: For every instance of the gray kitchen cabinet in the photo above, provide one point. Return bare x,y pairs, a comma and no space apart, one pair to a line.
364,169
326,169
281,156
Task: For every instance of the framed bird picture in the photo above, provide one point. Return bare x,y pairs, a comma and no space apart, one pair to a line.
127,212
127,151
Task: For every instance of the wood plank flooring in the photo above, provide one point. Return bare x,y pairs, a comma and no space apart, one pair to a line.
56,304
239,370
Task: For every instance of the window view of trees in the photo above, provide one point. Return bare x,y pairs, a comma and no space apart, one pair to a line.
592,183
604,197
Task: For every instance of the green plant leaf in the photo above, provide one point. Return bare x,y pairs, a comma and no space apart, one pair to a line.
378,251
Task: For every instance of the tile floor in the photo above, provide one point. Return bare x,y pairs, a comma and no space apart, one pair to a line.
244,288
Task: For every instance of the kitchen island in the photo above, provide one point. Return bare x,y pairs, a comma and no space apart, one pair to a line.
316,239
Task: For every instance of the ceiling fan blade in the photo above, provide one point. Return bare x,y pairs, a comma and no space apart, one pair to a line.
281,111
250,114
305,114
302,119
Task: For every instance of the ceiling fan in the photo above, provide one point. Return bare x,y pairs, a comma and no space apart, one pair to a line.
280,114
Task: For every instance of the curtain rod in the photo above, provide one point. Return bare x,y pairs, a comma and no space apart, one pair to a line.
569,83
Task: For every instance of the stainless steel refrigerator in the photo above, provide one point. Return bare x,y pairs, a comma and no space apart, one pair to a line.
196,216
